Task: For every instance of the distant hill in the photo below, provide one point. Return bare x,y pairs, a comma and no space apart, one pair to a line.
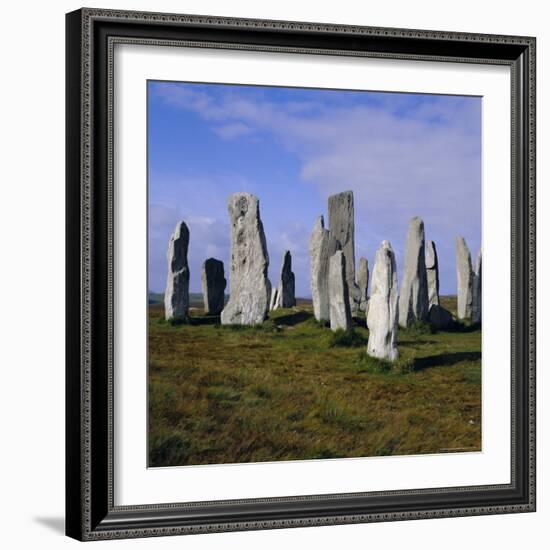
196,300
155,298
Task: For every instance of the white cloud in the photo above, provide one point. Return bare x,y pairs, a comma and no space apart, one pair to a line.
229,131
400,159
208,238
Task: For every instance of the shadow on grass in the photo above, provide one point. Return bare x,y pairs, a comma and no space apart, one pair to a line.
293,318
458,326
204,320
415,342
360,322
445,359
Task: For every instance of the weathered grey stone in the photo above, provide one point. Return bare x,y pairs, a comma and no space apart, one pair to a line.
476,293
176,296
340,314
286,291
274,296
383,306
250,289
341,225
213,286
321,247
440,317
363,283
413,298
464,279
432,273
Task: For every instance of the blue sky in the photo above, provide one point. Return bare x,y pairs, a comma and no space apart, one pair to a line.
403,155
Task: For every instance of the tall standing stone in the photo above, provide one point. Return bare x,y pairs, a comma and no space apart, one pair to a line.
464,279
383,306
213,286
340,313
286,292
274,298
413,298
321,248
476,294
441,318
341,225
250,289
363,283
176,296
432,274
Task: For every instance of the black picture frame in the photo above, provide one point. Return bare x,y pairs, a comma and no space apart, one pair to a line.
90,510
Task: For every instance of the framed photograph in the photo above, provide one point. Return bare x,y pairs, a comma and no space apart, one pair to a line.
300,274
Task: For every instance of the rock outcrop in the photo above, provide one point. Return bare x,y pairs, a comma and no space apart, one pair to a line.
432,274
286,291
440,318
176,296
321,248
274,297
250,289
476,293
340,314
464,279
363,283
383,306
341,225
413,298
213,286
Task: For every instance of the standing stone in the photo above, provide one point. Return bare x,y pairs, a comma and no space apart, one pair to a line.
440,318
476,294
340,314
213,286
321,248
432,274
250,289
464,279
286,294
413,298
341,225
274,297
363,283
176,296
383,306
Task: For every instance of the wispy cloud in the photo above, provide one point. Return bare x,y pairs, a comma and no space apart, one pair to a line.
403,155
209,238
237,129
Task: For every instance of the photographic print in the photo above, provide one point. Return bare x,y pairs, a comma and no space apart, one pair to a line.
275,309
314,273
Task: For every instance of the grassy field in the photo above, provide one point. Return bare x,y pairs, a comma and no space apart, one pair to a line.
290,390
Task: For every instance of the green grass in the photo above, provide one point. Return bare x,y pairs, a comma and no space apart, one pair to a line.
373,365
291,389
420,327
347,339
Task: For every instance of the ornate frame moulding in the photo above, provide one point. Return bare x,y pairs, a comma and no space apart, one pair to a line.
91,36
